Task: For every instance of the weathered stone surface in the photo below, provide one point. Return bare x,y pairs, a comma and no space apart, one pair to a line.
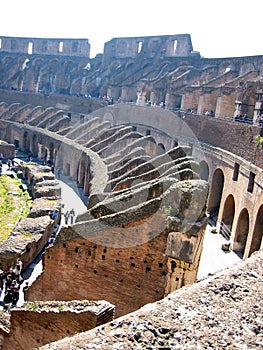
34,323
221,312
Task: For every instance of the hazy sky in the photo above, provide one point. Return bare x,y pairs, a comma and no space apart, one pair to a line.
222,28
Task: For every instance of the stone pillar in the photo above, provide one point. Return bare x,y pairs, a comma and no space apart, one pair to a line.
183,256
141,100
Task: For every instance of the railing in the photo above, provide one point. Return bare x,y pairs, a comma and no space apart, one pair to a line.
225,231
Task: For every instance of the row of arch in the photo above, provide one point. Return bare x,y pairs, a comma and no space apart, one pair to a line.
246,234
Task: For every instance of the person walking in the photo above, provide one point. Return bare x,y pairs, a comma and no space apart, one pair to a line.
72,215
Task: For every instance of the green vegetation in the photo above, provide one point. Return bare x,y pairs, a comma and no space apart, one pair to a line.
32,306
14,204
259,140
60,307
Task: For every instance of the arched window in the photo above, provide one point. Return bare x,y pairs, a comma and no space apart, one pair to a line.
257,233
215,195
241,234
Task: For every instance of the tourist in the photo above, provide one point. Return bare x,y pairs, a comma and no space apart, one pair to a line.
66,215
25,289
8,282
72,214
19,268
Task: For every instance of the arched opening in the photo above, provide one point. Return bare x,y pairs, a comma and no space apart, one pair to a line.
81,172
30,48
215,194
257,233
204,170
241,234
160,149
34,147
60,46
227,217
51,153
175,46
139,46
26,142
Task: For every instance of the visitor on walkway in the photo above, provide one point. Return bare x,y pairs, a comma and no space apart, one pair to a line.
66,215
72,215
25,289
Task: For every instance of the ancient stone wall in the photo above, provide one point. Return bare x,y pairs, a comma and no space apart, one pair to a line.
229,135
7,150
164,46
127,277
41,46
221,312
39,323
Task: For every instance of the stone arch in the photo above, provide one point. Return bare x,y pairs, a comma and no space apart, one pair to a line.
249,101
34,145
51,152
256,241
8,133
226,66
204,170
160,148
241,233
81,172
227,217
247,67
215,194
26,142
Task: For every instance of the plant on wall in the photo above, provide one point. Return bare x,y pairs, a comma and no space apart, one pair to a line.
259,140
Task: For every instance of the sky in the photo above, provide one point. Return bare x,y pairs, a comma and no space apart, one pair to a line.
219,28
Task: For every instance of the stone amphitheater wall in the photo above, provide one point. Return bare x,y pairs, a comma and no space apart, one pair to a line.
234,145
40,46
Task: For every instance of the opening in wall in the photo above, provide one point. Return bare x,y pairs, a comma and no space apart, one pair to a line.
30,48
60,46
139,47
251,182
68,169
175,46
236,172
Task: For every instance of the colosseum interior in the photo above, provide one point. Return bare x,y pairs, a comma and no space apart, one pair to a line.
159,142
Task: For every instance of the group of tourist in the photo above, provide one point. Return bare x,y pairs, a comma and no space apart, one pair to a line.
244,118
69,214
10,283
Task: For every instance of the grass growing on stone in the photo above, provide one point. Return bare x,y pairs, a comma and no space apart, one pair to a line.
14,204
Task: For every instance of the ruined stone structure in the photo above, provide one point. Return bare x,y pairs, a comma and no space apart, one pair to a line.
31,234
221,312
78,316
145,170
157,69
37,46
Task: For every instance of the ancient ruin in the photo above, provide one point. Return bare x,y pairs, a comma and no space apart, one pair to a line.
156,139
